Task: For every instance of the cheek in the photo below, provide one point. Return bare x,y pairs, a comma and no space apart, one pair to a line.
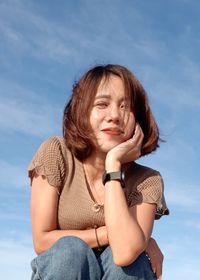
94,119
129,133
130,127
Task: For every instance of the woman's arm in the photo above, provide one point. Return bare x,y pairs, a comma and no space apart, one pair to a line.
129,229
44,215
155,256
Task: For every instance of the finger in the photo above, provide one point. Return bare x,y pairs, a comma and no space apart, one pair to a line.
156,257
158,273
138,135
137,129
153,265
157,267
154,247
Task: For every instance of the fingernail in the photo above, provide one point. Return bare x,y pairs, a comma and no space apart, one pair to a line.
160,278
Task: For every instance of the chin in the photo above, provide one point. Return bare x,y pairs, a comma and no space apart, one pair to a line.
106,148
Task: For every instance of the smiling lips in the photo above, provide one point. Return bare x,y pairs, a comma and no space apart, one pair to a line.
112,131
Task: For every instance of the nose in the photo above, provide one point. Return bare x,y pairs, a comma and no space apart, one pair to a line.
114,114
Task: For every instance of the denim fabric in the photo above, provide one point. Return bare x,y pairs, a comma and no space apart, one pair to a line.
140,269
70,258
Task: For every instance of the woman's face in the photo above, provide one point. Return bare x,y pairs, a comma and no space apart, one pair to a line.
111,120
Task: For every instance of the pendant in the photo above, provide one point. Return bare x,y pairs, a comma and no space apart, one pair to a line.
96,207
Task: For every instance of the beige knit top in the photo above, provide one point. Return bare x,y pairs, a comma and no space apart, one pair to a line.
76,203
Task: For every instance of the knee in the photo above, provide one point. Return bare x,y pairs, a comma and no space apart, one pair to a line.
70,241
67,255
70,247
140,268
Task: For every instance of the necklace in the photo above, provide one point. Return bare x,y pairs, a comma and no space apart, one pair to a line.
96,206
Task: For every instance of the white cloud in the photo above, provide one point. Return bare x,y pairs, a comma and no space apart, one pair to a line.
177,97
10,216
181,257
184,197
15,258
22,111
47,39
182,268
16,174
193,224
39,36
30,120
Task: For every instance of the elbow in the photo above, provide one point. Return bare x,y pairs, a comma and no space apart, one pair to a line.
38,248
40,245
128,256
124,260
39,251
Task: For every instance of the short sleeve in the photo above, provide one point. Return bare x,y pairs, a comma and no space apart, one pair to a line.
151,190
49,162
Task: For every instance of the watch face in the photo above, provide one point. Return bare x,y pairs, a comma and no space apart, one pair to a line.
118,176
104,177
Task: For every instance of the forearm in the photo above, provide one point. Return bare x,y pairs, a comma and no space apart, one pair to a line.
45,240
125,235
126,238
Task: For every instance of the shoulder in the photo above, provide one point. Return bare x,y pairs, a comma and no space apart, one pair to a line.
54,151
145,184
51,160
142,181
53,142
139,173
52,146
143,168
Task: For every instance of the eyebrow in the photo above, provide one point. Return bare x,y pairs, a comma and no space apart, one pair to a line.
103,96
107,96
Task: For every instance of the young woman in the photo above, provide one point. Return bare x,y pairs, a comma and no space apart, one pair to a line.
92,206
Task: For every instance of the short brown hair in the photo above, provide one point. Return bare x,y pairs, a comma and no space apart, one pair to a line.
76,128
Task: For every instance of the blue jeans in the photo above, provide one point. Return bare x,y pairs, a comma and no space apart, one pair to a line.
70,258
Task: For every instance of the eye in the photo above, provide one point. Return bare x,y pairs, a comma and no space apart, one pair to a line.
125,106
101,105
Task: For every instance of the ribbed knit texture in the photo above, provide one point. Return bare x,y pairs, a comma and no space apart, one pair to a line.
66,173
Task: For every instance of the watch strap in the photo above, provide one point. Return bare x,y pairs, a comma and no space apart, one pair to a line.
116,175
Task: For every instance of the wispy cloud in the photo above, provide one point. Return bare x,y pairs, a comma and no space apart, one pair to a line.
16,254
15,173
179,252
10,216
184,197
22,111
193,223
38,37
47,39
177,97
159,43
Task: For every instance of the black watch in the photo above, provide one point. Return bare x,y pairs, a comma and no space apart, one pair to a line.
117,175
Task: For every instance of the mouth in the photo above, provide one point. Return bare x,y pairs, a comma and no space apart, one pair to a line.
112,131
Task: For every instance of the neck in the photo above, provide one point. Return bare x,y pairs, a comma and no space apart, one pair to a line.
95,166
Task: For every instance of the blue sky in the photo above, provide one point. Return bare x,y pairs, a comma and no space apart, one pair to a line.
44,47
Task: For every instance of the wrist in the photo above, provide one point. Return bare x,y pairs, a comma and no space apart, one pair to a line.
112,164
116,176
97,238
102,235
